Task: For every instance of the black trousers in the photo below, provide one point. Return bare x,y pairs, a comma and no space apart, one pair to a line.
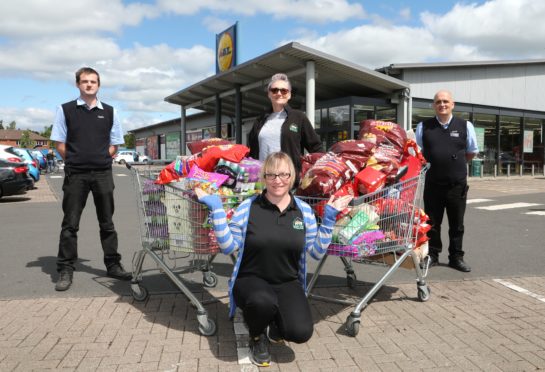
286,304
76,188
452,199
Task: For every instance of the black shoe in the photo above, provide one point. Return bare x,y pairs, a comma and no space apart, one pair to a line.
65,280
273,334
118,272
259,351
434,261
460,265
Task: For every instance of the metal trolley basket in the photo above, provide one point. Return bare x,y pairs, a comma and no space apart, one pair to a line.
394,209
173,227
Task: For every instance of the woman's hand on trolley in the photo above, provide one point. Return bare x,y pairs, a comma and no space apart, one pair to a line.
200,193
341,202
212,201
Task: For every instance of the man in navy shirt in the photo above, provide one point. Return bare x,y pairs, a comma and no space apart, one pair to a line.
87,133
447,143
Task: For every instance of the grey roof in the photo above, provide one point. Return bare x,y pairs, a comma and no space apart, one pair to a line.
335,78
395,68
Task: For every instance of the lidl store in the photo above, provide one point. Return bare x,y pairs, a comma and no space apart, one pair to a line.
502,99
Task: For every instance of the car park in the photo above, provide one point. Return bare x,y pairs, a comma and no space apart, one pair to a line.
14,178
130,156
33,166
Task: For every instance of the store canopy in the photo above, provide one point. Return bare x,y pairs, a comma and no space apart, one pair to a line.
334,78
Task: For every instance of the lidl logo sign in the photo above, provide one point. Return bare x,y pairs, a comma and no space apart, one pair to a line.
225,49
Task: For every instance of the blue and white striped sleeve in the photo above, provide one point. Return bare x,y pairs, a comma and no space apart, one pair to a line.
229,236
319,238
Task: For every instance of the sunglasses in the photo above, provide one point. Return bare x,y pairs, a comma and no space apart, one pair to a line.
283,91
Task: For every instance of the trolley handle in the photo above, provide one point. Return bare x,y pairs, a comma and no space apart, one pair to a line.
147,163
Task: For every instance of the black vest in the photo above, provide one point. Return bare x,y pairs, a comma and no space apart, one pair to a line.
445,150
88,136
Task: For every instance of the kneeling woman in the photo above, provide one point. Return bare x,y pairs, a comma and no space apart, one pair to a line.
272,232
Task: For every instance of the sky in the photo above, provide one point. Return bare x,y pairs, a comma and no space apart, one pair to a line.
147,50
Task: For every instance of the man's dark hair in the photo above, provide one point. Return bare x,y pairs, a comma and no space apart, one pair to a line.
86,70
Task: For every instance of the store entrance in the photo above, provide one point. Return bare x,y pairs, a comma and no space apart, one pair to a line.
340,119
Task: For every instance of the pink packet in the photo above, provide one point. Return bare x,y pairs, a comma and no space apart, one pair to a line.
199,175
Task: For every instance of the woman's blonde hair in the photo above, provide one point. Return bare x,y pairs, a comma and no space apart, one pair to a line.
274,161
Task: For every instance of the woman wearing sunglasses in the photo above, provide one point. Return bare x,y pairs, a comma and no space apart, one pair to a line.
272,234
284,129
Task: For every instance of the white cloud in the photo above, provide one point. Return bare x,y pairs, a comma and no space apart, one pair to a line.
321,11
375,46
499,29
26,18
52,57
28,118
215,24
405,13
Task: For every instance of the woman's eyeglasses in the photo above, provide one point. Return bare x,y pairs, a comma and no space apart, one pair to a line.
282,91
272,176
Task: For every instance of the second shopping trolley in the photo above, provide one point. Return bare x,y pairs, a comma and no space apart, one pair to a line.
382,227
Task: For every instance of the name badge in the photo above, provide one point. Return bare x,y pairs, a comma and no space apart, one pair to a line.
293,128
454,134
298,224
100,116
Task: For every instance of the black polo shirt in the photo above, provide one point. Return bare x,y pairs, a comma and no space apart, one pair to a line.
274,242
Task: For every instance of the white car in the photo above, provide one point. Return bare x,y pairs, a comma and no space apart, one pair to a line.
130,156
8,153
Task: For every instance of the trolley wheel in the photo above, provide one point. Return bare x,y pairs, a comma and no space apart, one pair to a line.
424,293
209,279
352,326
210,328
351,280
139,292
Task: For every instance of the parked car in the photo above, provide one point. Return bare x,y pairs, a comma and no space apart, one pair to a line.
14,178
38,155
33,166
8,153
130,156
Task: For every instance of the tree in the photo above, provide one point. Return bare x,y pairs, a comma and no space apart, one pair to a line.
47,131
26,141
130,140
1,124
12,125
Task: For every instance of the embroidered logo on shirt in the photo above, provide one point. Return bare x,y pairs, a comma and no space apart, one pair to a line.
294,128
298,224
100,116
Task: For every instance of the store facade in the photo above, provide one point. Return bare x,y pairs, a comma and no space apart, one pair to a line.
501,98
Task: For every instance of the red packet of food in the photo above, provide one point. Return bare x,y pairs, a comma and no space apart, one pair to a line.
369,180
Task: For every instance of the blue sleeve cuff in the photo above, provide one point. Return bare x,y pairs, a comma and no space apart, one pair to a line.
213,202
330,215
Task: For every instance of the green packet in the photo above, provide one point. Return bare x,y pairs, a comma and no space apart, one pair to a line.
356,225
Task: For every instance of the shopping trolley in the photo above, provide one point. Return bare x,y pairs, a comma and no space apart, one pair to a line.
173,227
391,213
